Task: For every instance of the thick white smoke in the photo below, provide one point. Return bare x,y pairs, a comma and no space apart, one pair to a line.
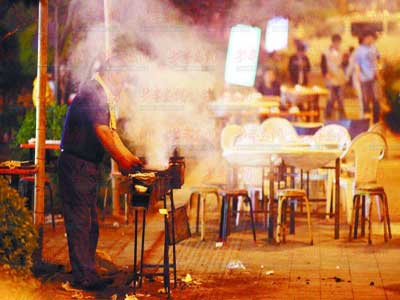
173,69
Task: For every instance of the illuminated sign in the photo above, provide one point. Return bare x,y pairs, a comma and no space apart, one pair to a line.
277,34
242,55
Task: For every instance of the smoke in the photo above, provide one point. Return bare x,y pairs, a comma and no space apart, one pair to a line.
172,68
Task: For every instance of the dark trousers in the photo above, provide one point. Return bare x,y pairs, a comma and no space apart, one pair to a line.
369,96
335,95
78,189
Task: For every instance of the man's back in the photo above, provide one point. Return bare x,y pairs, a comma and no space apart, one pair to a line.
89,108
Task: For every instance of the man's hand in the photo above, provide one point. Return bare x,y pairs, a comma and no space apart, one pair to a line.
118,151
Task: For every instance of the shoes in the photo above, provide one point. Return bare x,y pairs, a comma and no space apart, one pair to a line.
92,285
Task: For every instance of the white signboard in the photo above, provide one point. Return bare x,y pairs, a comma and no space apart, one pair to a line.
277,34
242,55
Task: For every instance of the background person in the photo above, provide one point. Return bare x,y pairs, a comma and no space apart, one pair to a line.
366,61
332,69
269,86
299,65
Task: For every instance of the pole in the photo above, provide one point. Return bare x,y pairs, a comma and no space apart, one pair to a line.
114,166
41,123
56,62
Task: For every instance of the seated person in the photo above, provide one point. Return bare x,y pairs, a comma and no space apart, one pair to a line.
269,85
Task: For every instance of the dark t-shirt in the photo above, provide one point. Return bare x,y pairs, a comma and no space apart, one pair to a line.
273,90
88,109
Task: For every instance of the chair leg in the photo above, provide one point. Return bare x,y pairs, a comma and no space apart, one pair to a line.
281,200
363,214
230,201
353,216
292,223
357,217
253,227
379,208
385,228
284,220
218,201
198,212
386,214
328,187
370,223
202,201
238,208
309,221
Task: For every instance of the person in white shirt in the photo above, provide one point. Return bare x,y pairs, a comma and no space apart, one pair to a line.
332,69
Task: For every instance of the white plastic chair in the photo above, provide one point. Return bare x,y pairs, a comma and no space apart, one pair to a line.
229,135
278,130
332,134
368,149
347,184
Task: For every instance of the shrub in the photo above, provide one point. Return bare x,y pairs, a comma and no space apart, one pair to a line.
54,123
18,238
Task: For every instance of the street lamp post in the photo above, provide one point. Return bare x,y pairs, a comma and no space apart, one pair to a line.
40,154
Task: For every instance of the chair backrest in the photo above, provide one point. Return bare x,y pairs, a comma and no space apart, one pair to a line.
354,126
333,134
278,130
229,135
378,128
367,149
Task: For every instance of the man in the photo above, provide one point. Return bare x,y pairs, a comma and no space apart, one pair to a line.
366,61
89,131
299,66
332,70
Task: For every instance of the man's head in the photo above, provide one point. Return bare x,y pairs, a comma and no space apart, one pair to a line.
336,41
368,38
301,48
114,72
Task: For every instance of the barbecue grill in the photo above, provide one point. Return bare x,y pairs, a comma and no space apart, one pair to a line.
148,187
151,185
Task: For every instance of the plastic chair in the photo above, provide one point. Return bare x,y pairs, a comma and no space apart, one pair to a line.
229,135
368,149
335,134
202,193
354,126
284,196
348,184
277,130
228,198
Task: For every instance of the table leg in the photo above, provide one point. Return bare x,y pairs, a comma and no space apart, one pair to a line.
271,204
337,198
264,205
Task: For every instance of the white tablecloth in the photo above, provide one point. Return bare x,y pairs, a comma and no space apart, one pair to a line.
306,157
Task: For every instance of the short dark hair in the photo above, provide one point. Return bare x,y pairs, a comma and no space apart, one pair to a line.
336,38
301,47
368,33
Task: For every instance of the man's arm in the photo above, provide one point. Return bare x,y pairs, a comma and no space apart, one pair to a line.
112,143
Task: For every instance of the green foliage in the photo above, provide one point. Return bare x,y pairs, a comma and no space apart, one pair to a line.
27,53
54,124
18,238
